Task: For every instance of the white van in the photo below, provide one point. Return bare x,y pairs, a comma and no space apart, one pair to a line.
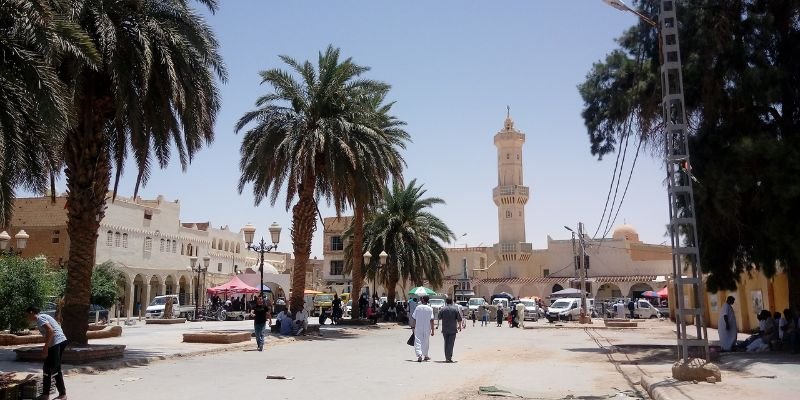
646,310
568,309
475,302
502,303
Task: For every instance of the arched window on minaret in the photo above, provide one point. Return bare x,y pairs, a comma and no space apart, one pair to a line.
508,214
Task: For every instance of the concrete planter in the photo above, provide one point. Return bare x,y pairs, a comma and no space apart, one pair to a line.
75,354
165,321
217,337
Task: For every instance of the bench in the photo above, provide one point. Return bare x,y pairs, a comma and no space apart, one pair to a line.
313,329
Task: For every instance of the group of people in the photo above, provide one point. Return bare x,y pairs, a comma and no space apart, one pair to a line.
775,330
421,319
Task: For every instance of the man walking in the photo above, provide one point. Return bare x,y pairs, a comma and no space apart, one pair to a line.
260,313
423,329
412,305
520,308
631,307
450,316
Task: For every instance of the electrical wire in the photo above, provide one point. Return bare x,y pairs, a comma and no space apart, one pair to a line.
616,176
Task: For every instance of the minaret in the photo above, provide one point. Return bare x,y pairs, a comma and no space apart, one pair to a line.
510,196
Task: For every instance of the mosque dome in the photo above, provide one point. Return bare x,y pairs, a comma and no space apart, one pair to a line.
268,268
626,232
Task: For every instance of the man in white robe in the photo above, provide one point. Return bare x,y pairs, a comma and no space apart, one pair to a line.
726,326
423,329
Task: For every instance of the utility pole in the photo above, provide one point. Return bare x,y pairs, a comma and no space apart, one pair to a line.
582,266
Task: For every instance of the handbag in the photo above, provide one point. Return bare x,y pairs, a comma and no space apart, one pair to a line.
411,339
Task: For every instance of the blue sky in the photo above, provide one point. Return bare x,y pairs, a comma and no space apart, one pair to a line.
454,66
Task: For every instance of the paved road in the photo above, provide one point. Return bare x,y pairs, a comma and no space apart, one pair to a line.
375,364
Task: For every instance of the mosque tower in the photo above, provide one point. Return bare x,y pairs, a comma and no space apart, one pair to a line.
510,196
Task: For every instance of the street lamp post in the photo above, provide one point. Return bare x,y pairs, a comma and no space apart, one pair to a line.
22,242
382,259
680,195
193,267
262,246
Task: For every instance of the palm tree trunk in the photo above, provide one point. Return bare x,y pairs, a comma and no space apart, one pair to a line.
304,224
88,174
391,290
358,243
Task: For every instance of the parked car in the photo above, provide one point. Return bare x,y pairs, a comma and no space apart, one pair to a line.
437,305
646,310
97,313
475,302
156,308
531,309
348,308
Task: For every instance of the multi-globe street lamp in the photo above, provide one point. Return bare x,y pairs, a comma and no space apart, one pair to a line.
22,241
262,247
194,267
382,258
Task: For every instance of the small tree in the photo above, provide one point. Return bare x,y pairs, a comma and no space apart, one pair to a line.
105,290
23,283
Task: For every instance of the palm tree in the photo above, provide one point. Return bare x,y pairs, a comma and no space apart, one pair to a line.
34,107
378,160
410,235
153,91
308,135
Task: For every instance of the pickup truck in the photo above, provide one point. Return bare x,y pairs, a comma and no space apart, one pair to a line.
156,308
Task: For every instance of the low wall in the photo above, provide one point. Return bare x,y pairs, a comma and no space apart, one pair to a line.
94,332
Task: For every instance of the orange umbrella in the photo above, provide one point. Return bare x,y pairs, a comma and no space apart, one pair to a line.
311,291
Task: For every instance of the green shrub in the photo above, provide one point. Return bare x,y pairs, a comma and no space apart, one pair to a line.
104,284
23,283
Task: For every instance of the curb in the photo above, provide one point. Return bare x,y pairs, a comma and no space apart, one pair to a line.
140,361
657,389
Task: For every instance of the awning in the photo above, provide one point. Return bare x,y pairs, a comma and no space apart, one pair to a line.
234,286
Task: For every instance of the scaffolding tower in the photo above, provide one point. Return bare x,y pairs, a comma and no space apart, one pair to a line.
687,275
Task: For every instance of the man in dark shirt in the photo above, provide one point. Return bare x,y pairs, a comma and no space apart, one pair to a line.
260,313
450,316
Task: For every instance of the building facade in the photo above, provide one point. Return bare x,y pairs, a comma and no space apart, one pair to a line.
334,278
147,241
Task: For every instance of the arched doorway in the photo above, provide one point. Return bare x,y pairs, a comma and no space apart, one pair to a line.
138,295
503,288
637,289
608,291
183,290
124,288
155,289
170,285
527,291
556,288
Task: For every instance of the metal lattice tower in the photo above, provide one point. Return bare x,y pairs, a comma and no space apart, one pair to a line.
682,223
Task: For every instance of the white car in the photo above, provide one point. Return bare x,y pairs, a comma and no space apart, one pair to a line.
645,310
531,310
475,302
437,305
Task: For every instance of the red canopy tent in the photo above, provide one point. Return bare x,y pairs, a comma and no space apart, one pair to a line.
234,286
663,293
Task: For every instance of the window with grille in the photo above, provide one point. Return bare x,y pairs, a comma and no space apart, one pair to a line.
219,267
174,246
117,238
161,246
56,238
148,244
337,267
124,240
336,243
546,272
109,238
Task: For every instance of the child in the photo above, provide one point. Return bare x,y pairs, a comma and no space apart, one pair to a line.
473,316
499,317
